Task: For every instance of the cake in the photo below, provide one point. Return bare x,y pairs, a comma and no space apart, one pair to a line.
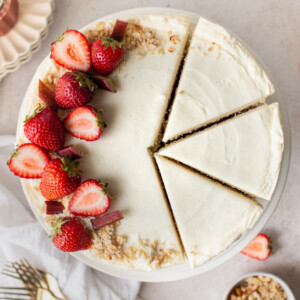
244,152
209,216
131,156
219,78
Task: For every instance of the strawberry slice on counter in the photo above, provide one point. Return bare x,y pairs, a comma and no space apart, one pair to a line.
69,235
72,51
90,199
28,161
84,122
45,129
107,53
260,248
60,177
74,89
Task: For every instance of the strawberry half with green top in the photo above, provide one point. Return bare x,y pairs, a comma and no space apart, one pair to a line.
69,235
28,161
72,51
260,248
45,129
84,122
74,89
107,53
60,177
90,199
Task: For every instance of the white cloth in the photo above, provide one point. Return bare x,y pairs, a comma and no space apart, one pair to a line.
22,236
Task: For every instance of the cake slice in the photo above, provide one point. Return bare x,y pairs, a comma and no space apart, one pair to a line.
146,237
209,216
244,152
219,78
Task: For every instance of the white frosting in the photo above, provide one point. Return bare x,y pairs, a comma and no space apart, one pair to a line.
219,77
120,157
209,216
244,152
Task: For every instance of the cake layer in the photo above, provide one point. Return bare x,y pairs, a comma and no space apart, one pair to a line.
219,78
244,152
209,216
146,238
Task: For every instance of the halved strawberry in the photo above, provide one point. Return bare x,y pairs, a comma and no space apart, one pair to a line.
72,51
28,161
90,199
84,122
260,248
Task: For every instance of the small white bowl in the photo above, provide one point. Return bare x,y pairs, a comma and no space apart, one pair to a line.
289,293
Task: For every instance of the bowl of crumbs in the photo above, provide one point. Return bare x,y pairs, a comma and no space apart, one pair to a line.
259,286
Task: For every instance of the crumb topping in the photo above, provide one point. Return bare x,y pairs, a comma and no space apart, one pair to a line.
258,287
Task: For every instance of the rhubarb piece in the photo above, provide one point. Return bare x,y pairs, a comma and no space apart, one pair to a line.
119,30
107,219
104,83
54,207
69,150
46,95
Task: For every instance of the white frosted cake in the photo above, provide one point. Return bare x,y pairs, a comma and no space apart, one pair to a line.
219,78
209,216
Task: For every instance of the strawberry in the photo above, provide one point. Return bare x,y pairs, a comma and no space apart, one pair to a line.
74,89
72,51
45,129
69,235
260,248
90,199
106,55
84,122
60,178
28,161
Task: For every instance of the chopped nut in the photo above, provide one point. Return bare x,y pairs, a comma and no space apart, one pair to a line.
171,49
174,39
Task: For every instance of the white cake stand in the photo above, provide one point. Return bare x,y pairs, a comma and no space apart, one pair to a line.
185,271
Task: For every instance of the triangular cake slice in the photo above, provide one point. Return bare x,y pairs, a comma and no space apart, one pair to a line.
219,78
244,152
209,216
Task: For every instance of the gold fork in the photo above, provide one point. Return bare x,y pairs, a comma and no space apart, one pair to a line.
38,285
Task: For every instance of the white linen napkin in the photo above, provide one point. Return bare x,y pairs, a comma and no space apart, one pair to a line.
21,236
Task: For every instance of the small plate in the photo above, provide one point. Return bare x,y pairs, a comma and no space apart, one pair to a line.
18,45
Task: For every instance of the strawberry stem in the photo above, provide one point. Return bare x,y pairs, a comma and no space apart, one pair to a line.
84,80
36,111
119,30
107,41
56,226
70,166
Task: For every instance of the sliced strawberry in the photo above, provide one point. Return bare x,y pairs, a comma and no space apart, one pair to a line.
90,199
260,248
28,161
84,122
72,51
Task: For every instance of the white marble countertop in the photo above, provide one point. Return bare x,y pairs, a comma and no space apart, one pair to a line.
272,29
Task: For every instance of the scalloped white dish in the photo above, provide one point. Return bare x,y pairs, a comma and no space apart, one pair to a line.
17,46
185,271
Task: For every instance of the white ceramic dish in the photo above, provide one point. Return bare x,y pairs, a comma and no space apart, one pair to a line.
18,45
185,271
289,293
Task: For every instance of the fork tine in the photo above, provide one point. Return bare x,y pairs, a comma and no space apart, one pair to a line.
11,275
35,274
14,294
6,298
15,288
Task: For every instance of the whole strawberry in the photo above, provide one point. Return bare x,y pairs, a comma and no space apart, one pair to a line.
74,89
60,177
69,235
45,129
106,55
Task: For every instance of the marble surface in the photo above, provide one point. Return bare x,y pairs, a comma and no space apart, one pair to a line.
272,29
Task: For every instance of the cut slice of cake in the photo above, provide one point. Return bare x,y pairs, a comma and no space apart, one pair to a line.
209,216
219,78
244,152
146,238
